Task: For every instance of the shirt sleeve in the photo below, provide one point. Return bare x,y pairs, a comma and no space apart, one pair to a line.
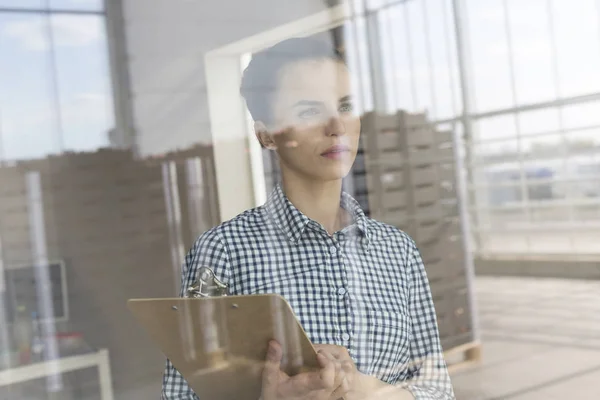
428,377
210,251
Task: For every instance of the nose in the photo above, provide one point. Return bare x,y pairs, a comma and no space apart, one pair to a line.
335,126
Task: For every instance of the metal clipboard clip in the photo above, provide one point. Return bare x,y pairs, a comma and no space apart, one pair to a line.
207,285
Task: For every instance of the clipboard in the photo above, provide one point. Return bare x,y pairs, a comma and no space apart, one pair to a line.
219,344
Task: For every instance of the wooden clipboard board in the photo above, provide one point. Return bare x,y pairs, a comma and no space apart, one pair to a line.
219,344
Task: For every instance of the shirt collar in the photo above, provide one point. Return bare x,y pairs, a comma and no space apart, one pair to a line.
293,222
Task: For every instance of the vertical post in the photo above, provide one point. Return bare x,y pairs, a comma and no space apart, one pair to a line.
106,389
37,229
376,62
172,204
4,334
467,197
123,135
232,157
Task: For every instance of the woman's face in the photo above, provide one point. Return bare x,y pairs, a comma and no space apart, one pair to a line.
316,129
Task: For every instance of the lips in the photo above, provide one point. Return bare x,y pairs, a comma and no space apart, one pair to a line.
337,152
337,149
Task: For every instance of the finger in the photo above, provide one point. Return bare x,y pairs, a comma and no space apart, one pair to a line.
271,371
342,390
338,352
341,353
339,373
302,384
327,373
349,371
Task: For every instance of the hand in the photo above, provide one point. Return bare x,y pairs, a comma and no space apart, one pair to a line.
318,385
362,386
358,383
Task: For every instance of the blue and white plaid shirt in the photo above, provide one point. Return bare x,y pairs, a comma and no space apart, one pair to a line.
364,288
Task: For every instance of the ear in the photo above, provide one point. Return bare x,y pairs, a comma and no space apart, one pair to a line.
263,136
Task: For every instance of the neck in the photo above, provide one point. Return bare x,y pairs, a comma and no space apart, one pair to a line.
319,200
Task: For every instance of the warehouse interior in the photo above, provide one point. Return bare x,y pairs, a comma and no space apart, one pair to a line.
123,138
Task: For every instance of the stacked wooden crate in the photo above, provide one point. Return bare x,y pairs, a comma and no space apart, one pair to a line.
409,180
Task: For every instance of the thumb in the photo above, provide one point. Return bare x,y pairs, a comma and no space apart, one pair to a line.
270,375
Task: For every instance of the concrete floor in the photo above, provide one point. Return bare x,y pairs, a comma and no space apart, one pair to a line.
541,341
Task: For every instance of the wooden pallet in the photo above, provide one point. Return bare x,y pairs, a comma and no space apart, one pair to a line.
463,357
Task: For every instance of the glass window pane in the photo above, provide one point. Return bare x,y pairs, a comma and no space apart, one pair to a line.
583,141
404,85
84,5
83,81
532,51
375,4
495,128
581,115
577,46
489,55
551,145
543,171
548,213
497,151
387,51
29,119
539,121
352,58
443,59
420,62
22,3
362,51
358,6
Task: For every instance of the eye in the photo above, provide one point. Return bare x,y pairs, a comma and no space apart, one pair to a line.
346,107
309,112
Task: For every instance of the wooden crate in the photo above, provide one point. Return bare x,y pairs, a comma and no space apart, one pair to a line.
394,199
426,194
432,231
446,171
444,138
445,248
424,175
448,191
389,160
391,180
423,135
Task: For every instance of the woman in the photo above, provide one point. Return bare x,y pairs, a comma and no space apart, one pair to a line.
358,286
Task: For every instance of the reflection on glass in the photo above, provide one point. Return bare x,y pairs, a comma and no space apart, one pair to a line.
583,141
495,128
443,58
487,38
25,4
416,25
543,146
537,122
582,115
578,66
84,5
26,89
496,152
403,88
532,51
83,81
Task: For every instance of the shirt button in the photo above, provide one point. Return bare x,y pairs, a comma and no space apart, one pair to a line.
333,250
342,291
345,336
